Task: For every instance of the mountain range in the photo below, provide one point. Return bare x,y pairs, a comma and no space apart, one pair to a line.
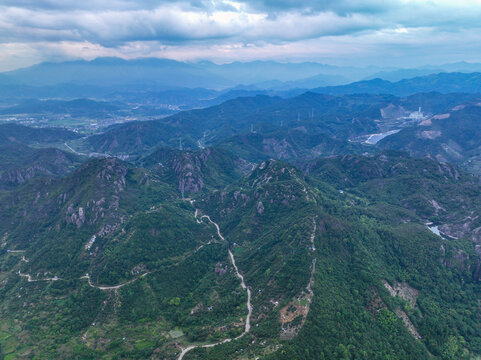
100,77
259,223
291,128
113,260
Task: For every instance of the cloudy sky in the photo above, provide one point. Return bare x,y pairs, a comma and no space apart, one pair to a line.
344,32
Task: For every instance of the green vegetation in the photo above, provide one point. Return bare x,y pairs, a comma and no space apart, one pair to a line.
14,133
20,163
160,278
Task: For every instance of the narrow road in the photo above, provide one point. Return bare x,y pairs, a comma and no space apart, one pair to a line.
313,234
243,285
311,279
29,278
239,275
189,348
72,150
112,287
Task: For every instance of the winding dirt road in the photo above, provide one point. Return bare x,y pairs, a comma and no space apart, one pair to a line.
189,348
29,278
100,287
243,285
112,287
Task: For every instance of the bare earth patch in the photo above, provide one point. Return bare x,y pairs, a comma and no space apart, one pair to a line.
404,291
409,294
294,314
407,322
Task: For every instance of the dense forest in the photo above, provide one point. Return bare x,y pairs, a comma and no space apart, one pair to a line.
118,261
318,226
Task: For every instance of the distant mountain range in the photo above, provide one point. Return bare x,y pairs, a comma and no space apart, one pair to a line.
442,82
152,88
295,129
400,74
103,75
161,73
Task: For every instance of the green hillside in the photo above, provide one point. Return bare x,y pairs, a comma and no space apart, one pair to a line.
26,135
111,262
20,163
194,171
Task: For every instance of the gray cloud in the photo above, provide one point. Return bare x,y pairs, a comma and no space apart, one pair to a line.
101,5
128,27
341,7
119,21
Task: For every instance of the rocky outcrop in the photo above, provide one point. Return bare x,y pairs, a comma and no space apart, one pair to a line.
75,216
462,229
19,176
407,322
194,170
461,260
282,149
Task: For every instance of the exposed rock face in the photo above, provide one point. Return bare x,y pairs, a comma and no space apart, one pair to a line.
462,229
103,181
461,260
190,182
404,291
193,170
449,137
407,322
436,206
87,199
409,294
75,217
392,111
113,172
19,176
273,184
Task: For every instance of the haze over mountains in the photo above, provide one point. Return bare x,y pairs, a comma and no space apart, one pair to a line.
102,75
166,210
